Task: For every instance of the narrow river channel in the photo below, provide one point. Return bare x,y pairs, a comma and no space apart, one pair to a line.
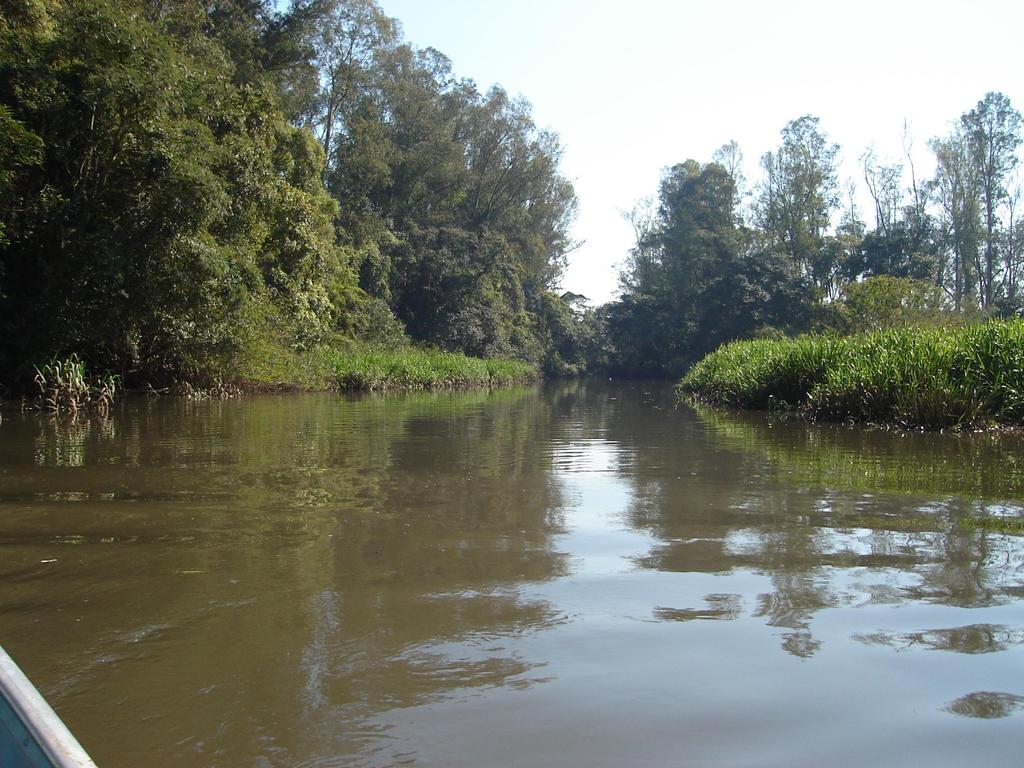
578,574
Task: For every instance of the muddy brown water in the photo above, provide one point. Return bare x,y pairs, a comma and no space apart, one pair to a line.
577,574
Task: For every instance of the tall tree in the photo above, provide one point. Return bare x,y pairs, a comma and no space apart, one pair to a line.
955,189
696,278
1012,247
992,130
974,168
455,200
353,35
901,243
730,157
798,195
884,183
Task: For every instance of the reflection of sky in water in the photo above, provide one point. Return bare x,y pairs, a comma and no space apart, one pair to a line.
782,577
718,641
611,585
584,456
598,537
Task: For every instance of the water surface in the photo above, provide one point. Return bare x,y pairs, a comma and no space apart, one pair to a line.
574,575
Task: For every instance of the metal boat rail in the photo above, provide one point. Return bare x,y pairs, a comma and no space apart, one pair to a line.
31,734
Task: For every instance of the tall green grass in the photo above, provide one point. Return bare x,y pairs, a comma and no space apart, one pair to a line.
411,368
911,377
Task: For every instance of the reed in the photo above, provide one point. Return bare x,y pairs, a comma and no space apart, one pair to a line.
64,386
911,377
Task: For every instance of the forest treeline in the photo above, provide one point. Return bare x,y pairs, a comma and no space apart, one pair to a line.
717,259
186,187
189,189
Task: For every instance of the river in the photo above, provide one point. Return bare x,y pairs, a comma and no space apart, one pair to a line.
577,574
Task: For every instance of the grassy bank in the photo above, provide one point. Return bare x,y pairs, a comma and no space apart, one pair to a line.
911,377
365,369
65,385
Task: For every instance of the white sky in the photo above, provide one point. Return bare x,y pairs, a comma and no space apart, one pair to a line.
633,87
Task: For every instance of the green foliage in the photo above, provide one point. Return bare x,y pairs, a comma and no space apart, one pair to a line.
942,251
905,248
571,333
186,186
696,278
798,195
174,215
375,325
413,368
888,302
764,373
980,258
19,148
991,357
912,377
452,197
902,376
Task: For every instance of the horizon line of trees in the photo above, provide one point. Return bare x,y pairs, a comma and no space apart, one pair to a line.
185,184
706,268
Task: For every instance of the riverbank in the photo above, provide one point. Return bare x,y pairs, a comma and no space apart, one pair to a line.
67,385
367,369
363,368
932,378
412,368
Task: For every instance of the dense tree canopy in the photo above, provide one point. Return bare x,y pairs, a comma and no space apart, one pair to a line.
947,248
181,179
697,277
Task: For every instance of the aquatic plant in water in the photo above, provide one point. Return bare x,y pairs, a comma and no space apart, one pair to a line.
64,386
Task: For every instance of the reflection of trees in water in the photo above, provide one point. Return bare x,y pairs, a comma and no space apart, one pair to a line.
800,504
720,607
975,465
973,639
298,562
986,704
